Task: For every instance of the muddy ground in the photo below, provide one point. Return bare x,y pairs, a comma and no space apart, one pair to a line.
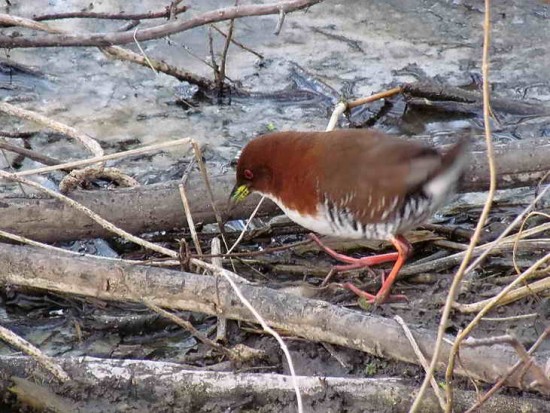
336,48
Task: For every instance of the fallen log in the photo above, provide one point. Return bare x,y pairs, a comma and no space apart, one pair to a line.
312,319
142,385
158,207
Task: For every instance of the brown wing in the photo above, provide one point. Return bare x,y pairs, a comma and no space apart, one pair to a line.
371,173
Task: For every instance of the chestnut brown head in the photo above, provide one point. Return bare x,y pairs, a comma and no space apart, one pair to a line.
254,170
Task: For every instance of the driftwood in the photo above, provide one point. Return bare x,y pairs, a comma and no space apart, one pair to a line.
158,207
116,385
136,210
312,319
430,94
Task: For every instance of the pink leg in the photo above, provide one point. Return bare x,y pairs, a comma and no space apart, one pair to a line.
403,249
354,263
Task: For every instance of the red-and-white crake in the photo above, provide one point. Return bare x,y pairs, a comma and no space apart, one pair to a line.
352,183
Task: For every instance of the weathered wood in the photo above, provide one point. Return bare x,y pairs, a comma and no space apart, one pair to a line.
108,389
137,210
158,207
312,319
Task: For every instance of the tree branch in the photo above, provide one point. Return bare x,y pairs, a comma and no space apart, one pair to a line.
112,16
167,29
312,319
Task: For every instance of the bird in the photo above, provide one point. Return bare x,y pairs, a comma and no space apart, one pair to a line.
354,184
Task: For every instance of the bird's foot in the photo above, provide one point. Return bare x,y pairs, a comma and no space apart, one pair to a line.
351,263
381,297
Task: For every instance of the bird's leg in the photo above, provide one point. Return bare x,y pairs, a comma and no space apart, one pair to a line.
403,249
354,263
351,262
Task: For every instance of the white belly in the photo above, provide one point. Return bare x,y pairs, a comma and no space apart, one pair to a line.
322,224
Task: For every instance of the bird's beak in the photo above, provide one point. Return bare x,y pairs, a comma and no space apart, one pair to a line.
238,194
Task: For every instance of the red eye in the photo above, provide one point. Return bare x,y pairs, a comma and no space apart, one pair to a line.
248,174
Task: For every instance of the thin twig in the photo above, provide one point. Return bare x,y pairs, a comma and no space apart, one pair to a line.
332,351
257,252
518,237
221,328
28,153
511,318
212,85
236,43
90,173
159,65
12,169
18,134
505,377
143,53
213,63
248,221
494,247
21,344
88,142
422,359
515,295
372,98
189,216
118,155
191,328
204,173
453,291
540,378
486,208
503,236
280,22
341,107
223,61
111,16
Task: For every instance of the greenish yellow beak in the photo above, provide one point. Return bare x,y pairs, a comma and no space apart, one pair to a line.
239,193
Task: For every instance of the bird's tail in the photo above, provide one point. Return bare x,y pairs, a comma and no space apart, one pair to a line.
458,153
453,162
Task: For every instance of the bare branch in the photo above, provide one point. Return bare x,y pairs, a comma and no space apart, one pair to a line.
112,16
167,29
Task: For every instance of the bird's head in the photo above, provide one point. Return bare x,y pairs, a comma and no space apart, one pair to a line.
254,170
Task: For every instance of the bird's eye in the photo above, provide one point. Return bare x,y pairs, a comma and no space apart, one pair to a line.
248,174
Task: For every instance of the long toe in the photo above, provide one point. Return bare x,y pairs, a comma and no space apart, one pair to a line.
379,298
